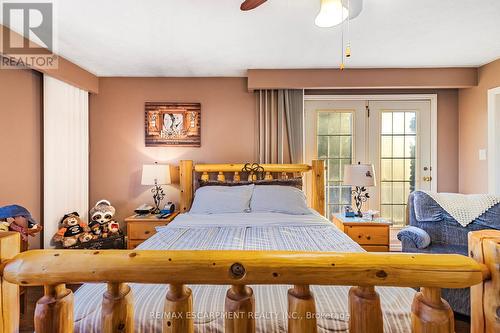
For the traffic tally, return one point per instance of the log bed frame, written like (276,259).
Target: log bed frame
(53,269)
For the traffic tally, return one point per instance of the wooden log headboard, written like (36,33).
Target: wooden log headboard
(189,173)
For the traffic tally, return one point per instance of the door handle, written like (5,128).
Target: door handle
(427,178)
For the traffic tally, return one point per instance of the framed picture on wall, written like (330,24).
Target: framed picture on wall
(173,124)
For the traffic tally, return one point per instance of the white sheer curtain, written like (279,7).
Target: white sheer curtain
(280,125)
(66,153)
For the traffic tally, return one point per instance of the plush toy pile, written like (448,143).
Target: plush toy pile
(102,225)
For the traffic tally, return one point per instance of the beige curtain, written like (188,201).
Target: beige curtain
(280,115)
(65,153)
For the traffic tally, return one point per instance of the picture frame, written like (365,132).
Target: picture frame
(170,124)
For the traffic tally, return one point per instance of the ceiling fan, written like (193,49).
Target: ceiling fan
(332,12)
(251,4)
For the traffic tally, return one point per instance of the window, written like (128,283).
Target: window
(335,146)
(398,163)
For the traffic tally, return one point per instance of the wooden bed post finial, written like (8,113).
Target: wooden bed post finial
(10,245)
(318,186)
(186,184)
(484,247)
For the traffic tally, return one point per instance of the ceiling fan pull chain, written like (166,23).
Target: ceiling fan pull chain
(348,48)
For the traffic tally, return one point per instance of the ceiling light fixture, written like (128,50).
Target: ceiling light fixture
(332,13)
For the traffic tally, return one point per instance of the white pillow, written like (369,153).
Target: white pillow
(279,199)
(222,199)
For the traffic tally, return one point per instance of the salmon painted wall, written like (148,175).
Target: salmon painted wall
(117,149)
(473,113)
(20,141)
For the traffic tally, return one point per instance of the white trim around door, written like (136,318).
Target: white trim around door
(398,97)
(493,139)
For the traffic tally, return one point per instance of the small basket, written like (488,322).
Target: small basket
(113,242)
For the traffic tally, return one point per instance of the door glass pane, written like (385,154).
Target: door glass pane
(397,162)
(334,138)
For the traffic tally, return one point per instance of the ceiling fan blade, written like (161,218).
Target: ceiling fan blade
(251,4)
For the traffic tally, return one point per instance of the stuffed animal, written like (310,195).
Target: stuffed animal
(4,226)
(72,227)
(103,214)
(85,237)
(113,228)
(96,230)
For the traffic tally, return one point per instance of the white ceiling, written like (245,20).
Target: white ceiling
(214,38)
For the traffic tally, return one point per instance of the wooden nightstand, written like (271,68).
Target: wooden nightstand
(373,236)
(141,227)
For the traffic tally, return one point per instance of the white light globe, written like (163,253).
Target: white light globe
(332,13)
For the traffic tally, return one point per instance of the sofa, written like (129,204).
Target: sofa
(432,230)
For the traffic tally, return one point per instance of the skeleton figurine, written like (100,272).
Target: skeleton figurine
(101,215)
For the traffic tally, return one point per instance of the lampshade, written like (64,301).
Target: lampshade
(331,13)
(359,175)
(155,174)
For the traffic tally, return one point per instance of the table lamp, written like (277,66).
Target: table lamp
(156,175)
(360,176)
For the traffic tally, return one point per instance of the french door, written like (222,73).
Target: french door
(394,136)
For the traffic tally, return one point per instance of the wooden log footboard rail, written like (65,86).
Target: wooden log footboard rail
(240,269)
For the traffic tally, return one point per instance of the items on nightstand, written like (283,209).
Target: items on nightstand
(156,175)
(361,176)
(144,209)
(373,236)
(348,212)
(169,208)
(141,227)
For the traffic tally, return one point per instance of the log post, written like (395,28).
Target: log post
(54,311)
(10,245)
(252,177)
(221,177)
(430,313)
(301,310)
(318,186)
(178,310)
(365,313)
(186,185)
(240,310)
(236,177)
(117,314)
(205,177)
(484,247)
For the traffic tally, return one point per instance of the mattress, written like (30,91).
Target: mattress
(246,231)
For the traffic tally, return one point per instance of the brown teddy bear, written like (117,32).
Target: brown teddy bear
(72,227)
